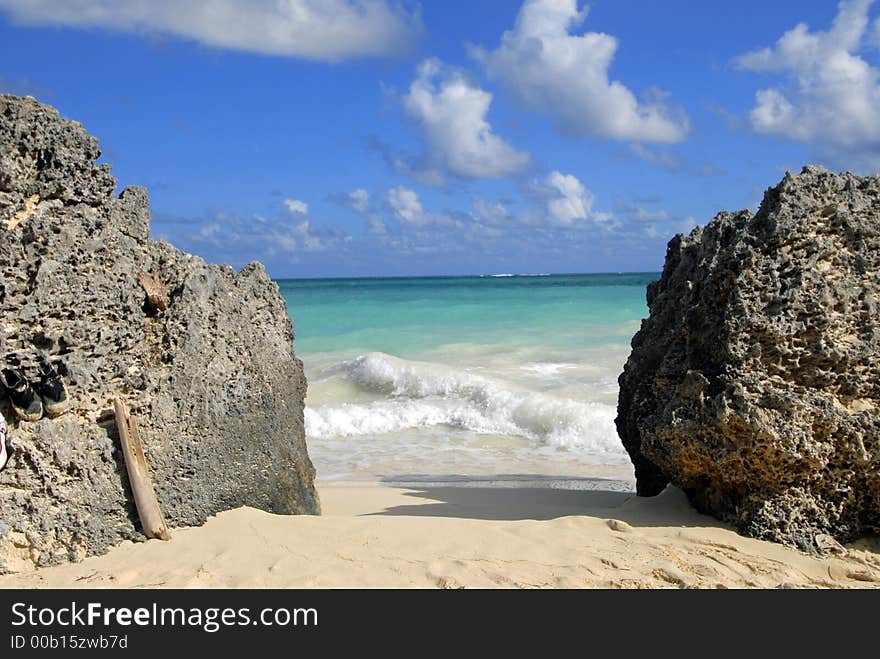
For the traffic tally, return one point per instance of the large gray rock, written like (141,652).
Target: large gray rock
(213,379)
(754,385)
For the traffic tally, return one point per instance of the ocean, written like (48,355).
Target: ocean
(439,378)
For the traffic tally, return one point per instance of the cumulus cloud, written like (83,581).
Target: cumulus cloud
(405,204)
(549,69)
(457,139)
(328,30)
(567,201)
(555,201)
(296,206)
(359,200)
(832,98)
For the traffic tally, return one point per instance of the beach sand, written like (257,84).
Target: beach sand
(440,536)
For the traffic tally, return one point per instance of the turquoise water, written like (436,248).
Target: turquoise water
(464,375)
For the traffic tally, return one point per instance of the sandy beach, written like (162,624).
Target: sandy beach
(465,535)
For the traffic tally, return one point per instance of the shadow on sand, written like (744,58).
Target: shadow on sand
(514,497)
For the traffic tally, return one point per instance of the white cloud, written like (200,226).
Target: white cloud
(488,212)
(261,236)
(328,30)
(553,211)
(296,206)
(376,226)
(458,139)
(567,201)
(833,96)
(555,202)
(406,205)
(359,200)
(550,70)
(571,201)
(311,242)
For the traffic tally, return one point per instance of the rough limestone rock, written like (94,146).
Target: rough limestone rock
(754,385)
(212,379)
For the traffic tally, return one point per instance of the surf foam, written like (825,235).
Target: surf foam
(416,394)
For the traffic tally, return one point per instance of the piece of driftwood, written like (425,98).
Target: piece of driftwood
(156,290)
(152,521)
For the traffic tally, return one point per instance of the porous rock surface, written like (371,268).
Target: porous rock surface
(212,380)
(754,385)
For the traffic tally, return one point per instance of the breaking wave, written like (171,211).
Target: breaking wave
(415,394)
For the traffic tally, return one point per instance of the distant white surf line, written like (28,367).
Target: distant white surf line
(423,395)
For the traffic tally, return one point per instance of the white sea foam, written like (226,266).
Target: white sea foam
(521,274)
(546,369)
(420,394)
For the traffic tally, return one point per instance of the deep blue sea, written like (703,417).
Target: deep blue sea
(471,376)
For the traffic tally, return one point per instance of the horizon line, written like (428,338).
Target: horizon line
(502,275)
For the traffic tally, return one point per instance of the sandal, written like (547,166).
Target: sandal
(25,402)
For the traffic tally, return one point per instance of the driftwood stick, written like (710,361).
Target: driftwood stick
(152,521)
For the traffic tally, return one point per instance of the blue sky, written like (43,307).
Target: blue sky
(376,137)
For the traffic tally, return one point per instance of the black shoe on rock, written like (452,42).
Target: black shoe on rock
(52,390)
(25,402)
